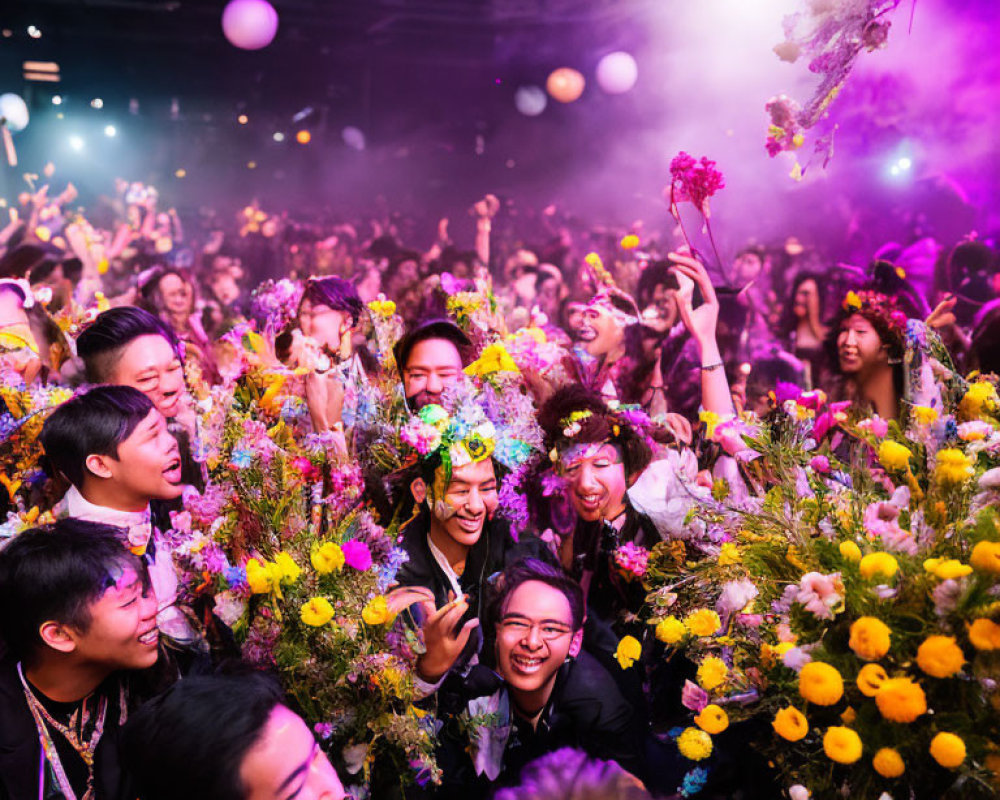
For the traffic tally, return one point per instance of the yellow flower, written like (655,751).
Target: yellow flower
(328,557)
(711,420)
(894,456)
(984,634)
(316,612)
(842,745)
(703,622)
(852,301)
(869,638)
(729,554)
(791,724)
(870,679)
(769,654)
(888,763)
(820,683)
(901,700)
(377,611)
(979,399)
(881,565)
(848,715)
(712,672)
(628,651)
(630,242)
(947,568)
(494,358)
(262,578)
(948,750)
(986,557)
(670,630)
(940,656)
(694,744)
(925,415)
(382,307)
(953,466)
(593,260)
(712,719)
(290,571)
(850,551)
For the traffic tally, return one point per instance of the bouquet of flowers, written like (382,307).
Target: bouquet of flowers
(856,604)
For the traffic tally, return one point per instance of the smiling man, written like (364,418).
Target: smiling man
(77,618)
(227,738)
(113,446)
(430,359)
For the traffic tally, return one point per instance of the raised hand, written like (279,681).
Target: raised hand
(443,639)
(701,322)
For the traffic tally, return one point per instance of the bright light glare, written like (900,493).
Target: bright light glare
(904,163)
(279,136)
(57,99)
(110,131)
(34,32)
(97,102)
(76,142)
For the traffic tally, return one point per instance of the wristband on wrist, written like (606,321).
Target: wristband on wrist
(710,367)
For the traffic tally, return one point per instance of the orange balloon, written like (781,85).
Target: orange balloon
(303,137)
(565,84)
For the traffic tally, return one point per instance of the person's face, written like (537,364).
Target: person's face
(470,499)
(225,288)
(534,637)
(599,331)
(574,319)
(178,298)
(407,272)
(666,300)
(748,267)
(859,346)
(148,466)
(324,324)
(122,633)
(149,364)
(286,763)
(433,365)
(369,288)
(597,480)
(805,303)
(547,299)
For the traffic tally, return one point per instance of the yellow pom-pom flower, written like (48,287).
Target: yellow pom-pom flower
(703,622)
(894,456)
(258,577)
(316,612)
(820,683)
(290,571)
(924,415)
(791,724)
(852,301)
(985,557)
(670,630)
(878,565)
(712,672)
(948,750)
(630,242)
(888,763)
(493,359)
(870,638)
(729,554)
(984,634)
(377,611)
(940,656)
(328,557)
(842,745)
(980,399)
(628,651)
(712,719)
(947,568)
(870,679)
(694,744)
(953,467)
(850,551)
(901,700)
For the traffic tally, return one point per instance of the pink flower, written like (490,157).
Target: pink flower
(632,559)
(820,464)
(820,594)
(875,425)
(796,658)
(693,696)
(735,595)
(357,555)
(694,181)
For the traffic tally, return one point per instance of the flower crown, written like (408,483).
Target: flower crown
(617,417)
(882,305)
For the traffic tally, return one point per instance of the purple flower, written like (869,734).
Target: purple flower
(357,555)
(693,696)
(820,464)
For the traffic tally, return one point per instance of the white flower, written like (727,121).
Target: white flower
(798,792)
(990,479)
(788,51)
(735,596)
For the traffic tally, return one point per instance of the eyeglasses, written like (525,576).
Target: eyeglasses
(522,628)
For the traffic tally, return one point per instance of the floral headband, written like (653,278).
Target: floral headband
(602,302)
(458,440)
(617,418)
(880,304)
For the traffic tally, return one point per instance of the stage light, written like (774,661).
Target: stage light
(243,119)
(904,163)
(530,100)
(97,103)
(110,131)
(180,173)
(303,137)
(251,165)
(249,24)
(617,72)
(76,142)
(57,100)
(565,84)
(278,136)
(34,32)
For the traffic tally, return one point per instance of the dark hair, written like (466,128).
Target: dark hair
(191,740)
(569,774)
(431,329)
(656,274)
(984,351)
(96,422)
(596,428)
(101,344)
(150,294)
(789,322)
(337,293)
(531,569)
(55,572)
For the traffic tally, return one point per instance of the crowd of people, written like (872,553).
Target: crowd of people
(488,446)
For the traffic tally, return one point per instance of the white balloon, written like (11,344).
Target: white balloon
(249,24)
(530,100)
(353,137)
(617,72)
(15,111)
